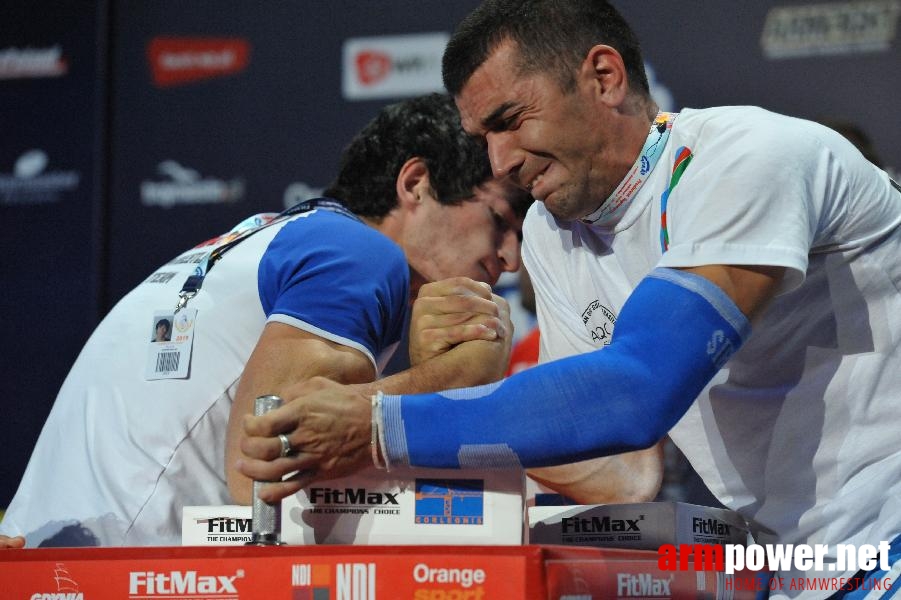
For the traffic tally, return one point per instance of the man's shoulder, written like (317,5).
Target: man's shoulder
(330,248)
(746,139)
(325,232)
(740,124)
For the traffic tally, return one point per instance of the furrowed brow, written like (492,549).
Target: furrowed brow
(492,121)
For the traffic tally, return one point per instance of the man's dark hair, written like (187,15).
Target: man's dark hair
(552,36)
(856,135)
(427,127)
(164,323)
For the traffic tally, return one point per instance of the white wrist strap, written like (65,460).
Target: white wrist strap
(377,441)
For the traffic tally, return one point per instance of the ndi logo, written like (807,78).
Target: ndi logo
(450,502)
(311,582)
(352,581)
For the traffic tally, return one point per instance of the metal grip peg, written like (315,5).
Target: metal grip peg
(267,519)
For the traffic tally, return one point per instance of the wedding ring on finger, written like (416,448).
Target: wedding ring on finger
(286,445)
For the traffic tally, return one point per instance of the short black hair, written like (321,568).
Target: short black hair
(552,36)
(427,127)
(854,134)
(164,322)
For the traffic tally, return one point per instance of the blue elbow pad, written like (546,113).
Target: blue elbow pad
(673,334)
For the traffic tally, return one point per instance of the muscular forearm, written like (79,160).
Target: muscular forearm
(283,358)
(629,477)
(331,424)
(606,402)
(468,364)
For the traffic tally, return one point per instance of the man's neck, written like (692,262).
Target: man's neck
(391,226)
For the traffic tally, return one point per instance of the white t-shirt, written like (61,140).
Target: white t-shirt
(119,456)
(799,432)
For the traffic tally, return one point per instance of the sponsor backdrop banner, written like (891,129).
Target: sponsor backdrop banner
(223,112)
(214,110)
(815,60)
(51,161)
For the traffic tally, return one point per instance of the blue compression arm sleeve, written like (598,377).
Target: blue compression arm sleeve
(673,334)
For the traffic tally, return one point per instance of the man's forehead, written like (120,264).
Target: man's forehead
(488,94)
(498,195)
(493,189)
(468,119)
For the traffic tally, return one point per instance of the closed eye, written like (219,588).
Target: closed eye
(497,122)
(503,225)
(510,123)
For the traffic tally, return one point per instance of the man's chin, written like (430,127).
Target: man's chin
(561,212)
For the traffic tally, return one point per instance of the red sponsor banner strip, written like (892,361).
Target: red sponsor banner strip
(249,573)
(176,60)
(343,572)
(612,573)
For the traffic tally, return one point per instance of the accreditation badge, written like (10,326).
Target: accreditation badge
(171,340)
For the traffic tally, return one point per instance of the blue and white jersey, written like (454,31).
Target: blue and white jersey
(121,454)
(342,281)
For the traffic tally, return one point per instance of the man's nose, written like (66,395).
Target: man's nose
(502,153)
(509,251)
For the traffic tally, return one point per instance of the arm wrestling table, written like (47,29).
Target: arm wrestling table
(353,573)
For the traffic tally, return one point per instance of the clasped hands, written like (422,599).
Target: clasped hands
(460,335)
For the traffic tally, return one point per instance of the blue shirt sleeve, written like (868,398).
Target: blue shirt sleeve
(334,276)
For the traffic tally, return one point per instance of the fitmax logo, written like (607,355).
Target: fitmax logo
(353,496)
(600,525)
(181,583)
(643,585)
(710,526)
(228,525)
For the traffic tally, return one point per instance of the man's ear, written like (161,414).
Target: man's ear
(412,182)
(605,70)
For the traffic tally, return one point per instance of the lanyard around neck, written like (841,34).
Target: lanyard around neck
(194,281)
(616,203)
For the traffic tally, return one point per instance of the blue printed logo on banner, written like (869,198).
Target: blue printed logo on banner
(450,501)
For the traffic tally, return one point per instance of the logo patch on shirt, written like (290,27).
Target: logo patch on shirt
(719,348)
(599,321)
